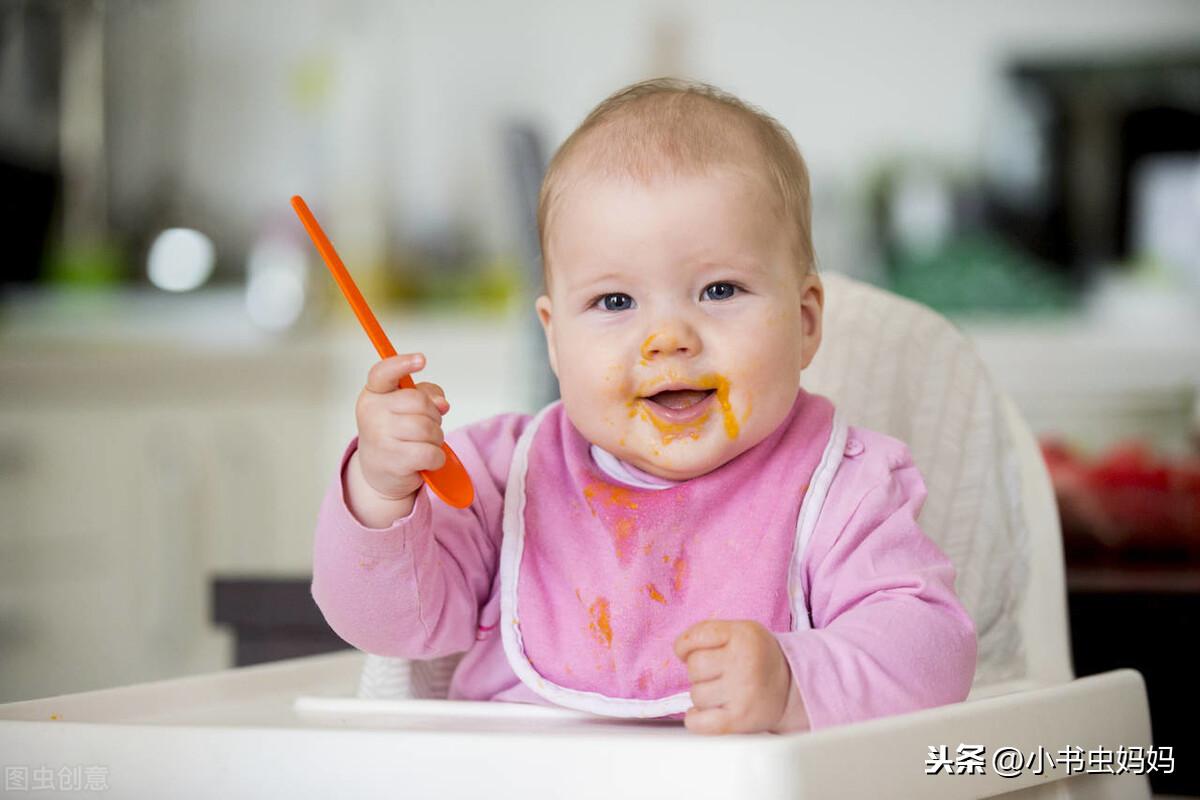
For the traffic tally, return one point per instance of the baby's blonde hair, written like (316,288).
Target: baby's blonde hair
(668,126)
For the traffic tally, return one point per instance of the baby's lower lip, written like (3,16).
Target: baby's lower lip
(680,415)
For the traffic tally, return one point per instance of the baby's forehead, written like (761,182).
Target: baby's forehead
(662,228)
(591,193)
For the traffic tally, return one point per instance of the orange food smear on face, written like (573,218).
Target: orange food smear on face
(731,425)
(645,350)
(671,431)
(655,595)
(599,623)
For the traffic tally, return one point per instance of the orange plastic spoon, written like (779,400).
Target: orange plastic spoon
(451,482)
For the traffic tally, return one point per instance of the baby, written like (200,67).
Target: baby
(688,531)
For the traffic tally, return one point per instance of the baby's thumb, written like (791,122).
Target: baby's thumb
(385,375)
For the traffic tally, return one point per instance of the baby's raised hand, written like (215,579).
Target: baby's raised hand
(740,677)
(399,430)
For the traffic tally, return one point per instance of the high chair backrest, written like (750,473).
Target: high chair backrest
(898,367)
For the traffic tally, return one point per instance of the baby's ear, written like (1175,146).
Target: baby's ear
(544,309)
(812,307)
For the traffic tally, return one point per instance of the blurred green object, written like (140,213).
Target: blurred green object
(978,272)
(481,285)
(92,266)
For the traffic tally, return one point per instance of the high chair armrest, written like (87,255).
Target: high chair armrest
(1107,711)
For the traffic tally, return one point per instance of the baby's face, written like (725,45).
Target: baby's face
(677,320)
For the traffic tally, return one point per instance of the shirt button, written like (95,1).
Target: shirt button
(853,447)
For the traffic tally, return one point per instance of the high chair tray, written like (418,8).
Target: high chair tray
(293,729)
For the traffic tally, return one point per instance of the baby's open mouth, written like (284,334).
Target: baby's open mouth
(680,398)
(683,406)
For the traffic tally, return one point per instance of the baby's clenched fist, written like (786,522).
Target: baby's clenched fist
(399,430)
(739,675)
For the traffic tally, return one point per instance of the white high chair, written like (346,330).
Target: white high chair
(891,365)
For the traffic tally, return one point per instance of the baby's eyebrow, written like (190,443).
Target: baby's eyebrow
(592,282)
(750,266)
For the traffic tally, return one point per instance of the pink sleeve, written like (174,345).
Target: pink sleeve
(413,590)
(889,634)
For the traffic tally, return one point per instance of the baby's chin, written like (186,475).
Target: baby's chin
(676,461)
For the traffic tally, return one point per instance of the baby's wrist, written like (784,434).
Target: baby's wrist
(794,717)
(369,507)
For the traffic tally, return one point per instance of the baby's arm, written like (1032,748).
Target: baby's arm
(414,588)
(889,633)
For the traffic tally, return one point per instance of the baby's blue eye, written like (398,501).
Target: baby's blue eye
(616,302)
(720,291)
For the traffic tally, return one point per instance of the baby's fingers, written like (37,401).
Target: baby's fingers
(705,665)
(436,394)
(408,458)
(709,694)
(708,721)
(415,428)
(385,375)
(707,634)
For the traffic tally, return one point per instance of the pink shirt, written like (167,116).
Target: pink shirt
(889,635)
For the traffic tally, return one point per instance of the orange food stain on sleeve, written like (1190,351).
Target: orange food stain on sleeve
(599,623)
(655,595)
(643,680)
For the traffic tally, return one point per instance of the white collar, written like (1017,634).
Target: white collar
(617,469)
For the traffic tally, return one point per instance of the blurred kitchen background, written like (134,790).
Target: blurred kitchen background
(178,373)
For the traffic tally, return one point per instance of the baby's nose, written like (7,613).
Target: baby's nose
(658,344)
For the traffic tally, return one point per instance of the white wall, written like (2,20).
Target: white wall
(410,133)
